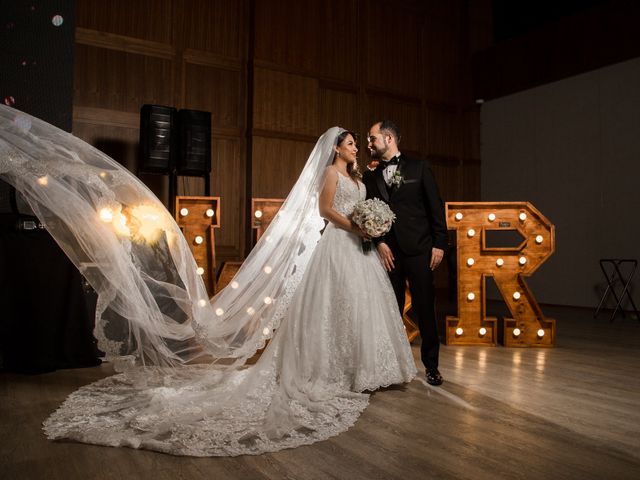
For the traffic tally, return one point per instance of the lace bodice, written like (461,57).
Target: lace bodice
(347,195)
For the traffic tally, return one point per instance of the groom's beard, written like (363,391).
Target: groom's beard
(378,153)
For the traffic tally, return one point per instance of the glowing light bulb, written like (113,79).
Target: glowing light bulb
(459,331)
(202,302)
(200,271)
(492,217)
(516,332)
(199,239)
(184,212)
(471,232)
(267,269)
(267,239)
(522,216)
(499,262)
(471,296)
(265,331)
(522,260)
(106,215)
(251,310)
(541,333)
(267,300)
(539,239)
(470,261)
(234,284)
(258,213)
(516,295)
(219,312)
(482,331)
(44,180)
(103,174)
(459,216)
(210,212)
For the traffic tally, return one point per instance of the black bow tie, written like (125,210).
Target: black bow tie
(393,161)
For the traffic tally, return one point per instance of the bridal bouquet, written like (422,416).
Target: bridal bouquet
(373,216)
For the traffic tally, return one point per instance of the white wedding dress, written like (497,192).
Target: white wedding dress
(342,335)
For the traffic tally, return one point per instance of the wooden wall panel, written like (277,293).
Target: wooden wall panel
(120,81)
(338,108)
(146,19)
(227,182)
(285,103)
(444,135)
(318,37)
(214,26)
(447,175)
(393,48)
(442,52)
(471,180)
(277,163)
(217,91)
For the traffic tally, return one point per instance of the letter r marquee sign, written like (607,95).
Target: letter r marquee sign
(508,266)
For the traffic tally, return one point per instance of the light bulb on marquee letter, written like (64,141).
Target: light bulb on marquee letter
(459,216)
(470,261)
(459,331)
(492,217)
(522,260)
(516,332)
(268,300)
(539,239)
(219,312)
(258,214)
(471,232)
(516,295)
(541,333)
(234,284)
(199,239)
(210,212)
(200,271)
(471,296)
(251,310)
(202,302)
(482,331)
(499,262)
(184,212)
(522,216)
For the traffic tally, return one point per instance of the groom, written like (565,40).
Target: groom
(415,245)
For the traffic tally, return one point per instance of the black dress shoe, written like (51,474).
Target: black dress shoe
(434,378)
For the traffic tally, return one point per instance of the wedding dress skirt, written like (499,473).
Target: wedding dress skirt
(342,335)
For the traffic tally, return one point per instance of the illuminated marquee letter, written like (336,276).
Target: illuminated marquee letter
(508,267)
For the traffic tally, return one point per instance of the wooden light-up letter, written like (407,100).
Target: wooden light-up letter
(477,261)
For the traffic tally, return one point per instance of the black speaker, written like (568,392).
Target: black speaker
(158,139)
(195,142)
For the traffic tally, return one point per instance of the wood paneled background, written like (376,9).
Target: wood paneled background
(276,74)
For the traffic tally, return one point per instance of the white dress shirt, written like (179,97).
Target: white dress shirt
(388,171)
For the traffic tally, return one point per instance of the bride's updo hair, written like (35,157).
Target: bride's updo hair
(352,168)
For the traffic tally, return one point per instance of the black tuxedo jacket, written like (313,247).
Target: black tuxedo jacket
(420,221)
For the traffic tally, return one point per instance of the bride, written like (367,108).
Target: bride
(326,306)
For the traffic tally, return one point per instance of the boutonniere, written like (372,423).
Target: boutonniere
(397,179)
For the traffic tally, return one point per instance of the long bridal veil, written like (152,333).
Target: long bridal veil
(152,307)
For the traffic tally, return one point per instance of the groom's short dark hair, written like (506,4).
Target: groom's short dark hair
(387,126)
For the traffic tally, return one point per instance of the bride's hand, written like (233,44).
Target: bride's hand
(358,231)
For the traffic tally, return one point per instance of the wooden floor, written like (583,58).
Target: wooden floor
(569,412)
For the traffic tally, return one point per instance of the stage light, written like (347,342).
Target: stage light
(184,212)
(499,262)
(268,300)
(459,216)
(459,331)
(234,284)
(219,312)
(44,181)
(539,239)
(199,239)
(471,232)
(516,332)
(470,261)
(267,269)
(210,212)
(200,271)
(482,331)
(522,260)
(266,331)
(202,302)
(471,296)
(492,217)
(251,310)
(522,216)
(541,333)
(258,213)
(516,295)
(106,215)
